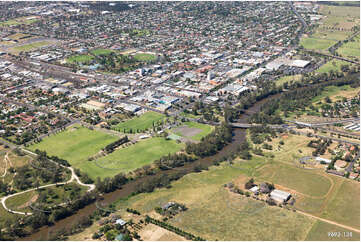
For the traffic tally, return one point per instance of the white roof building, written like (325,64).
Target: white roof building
(280,196)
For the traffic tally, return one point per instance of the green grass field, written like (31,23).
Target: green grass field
(350,49)
(83,59)
(144,57)
(128,159)
(334,65)
(320,232)
(316,43)
(75,145)
(101,52)
(140,123)
(21,202)
(284,79)
(205,130)
(340,19)
(344,206)
(18,21)
(32,46)
(303,181)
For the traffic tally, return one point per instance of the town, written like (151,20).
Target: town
(117,116)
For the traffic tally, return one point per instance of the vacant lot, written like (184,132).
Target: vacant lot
(75,145)
(193,130)
(30,47)
(127,159)
(141,123)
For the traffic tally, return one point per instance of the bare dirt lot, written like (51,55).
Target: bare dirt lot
(152,232)
(187,131)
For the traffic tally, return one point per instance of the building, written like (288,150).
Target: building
(280,196)
(300,63)
(254,189)
(121,222)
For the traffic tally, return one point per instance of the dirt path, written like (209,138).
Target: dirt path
(6,161)
(73,177)
(329,221)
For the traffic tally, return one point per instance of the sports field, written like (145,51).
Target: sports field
(32,46)
(75,145)
(128,159)
(144,57)
(18,21)
(193,130)
(101,52)
(83,59)
(140,123)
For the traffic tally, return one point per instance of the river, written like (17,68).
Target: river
(239,135)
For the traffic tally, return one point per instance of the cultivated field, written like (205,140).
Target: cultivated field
(128,159)
(140,123)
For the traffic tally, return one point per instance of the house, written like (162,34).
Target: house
(280,196)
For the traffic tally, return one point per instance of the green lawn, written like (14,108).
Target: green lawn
(284,79)
(144,57)
(101,52)
(75,145)
(84,59)
(320,232)
(32,46)
(140,123)
(334,65)
(316,43)
(350,49)
(127,159)
(205,130)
